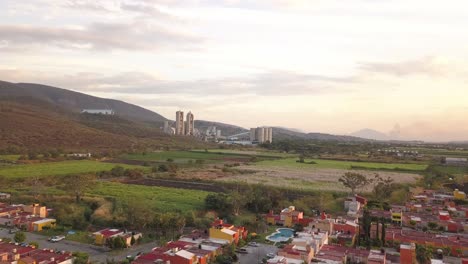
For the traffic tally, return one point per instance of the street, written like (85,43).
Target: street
(96,253)
(256,254)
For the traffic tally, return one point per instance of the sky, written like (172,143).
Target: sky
(330,66)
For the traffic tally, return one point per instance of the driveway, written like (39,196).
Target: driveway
(96,253)
(256,254)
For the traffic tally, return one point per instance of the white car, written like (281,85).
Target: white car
(253,244)
(270,255)
(57,238)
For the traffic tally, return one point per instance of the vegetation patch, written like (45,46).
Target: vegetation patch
(58,168)
(158,198)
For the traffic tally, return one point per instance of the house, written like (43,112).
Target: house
(166,255)
(4,196)
(101,237)
(16,254)
(376,257)
(408,253)
(296,252)
(226,232)
(36,209)
(288,217)
(459,195)
(43,223)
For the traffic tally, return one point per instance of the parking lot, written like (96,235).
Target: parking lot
(256,254)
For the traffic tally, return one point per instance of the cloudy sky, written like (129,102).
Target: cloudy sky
(330,66)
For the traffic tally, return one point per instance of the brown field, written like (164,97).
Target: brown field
(315,179)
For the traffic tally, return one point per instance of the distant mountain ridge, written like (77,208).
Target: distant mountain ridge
(283,133)
(370,134)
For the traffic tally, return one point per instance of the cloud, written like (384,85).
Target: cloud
(422,66)
(272,83)
(135,36)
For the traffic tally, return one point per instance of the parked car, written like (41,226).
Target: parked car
(253,244)
(55,239)
(270,255)
(242,250)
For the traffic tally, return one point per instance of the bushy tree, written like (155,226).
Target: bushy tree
(19,237)
(78,184)
(353,181)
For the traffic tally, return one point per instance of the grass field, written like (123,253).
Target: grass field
(334,164)
(452,170)
(252,153)
(58,168)
(184,156)
(10,157)
(160,198)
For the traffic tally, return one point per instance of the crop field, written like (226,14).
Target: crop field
(58,168)
(321,175)
(318,179)
(252,153)
(159,198)
(335,164)
(186,156)
(9,157)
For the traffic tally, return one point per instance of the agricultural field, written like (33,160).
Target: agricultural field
(335,164)
(159,198)
(58,168)
(187,156)
(253,153)
(319,174)
(9,157)
(314,179)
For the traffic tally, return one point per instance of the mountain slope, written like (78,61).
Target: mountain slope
(75,101)
(28,123)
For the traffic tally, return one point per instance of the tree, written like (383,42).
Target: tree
(139,216)
(353,181)
(78,184)
(34,243)
(432,225)
(219,202)
(20,237)
(238,201)
(80,258)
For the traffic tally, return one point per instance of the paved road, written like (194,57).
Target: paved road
(256,254)
(97,254)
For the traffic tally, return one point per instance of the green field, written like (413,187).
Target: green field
(58,168)
(10,157)
(184,156)
(251,153)
(160,198)
(345,165)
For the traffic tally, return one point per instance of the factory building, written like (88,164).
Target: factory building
(261,134)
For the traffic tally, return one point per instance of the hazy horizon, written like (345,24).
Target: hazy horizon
(394,66)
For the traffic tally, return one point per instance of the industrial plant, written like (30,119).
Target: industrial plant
(181,128)
(261,135)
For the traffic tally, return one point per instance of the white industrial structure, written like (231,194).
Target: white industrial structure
(98,111)
(261,134)
(189,124)
(179,125)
